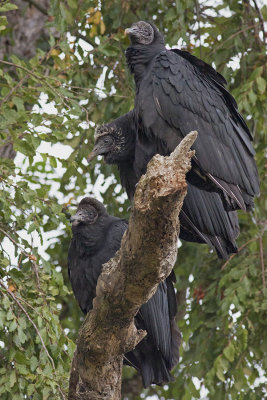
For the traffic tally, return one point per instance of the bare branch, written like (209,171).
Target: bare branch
(85,38)
(247,28)
(262,263)
(15,243)
(261,19)
(147,256)
(233,255)
(38,6)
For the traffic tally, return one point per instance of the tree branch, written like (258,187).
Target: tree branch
(9,292)
(262,263)
(85,38)
(147,255)
(238,251)
(38,6)
(261,20)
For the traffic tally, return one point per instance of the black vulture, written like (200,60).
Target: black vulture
(96,238)
(175,94)
(203,218)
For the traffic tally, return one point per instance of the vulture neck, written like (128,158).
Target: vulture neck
(88,239)
(139,56)
(84,244)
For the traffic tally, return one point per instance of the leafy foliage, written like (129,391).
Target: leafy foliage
(50,105)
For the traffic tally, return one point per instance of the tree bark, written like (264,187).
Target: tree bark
(26,28)
(146,257)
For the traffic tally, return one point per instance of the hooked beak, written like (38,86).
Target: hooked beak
(130,31)
(97,150)
(91,156)
(76,218)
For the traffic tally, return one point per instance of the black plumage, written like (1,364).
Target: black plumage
(96,238)
(203,217)
(175,94)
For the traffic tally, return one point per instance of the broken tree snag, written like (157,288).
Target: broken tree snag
(146,257)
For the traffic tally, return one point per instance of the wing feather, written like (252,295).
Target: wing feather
(157,315)
(190,96)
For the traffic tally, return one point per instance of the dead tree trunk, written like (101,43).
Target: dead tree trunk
(26,28)
(147,255)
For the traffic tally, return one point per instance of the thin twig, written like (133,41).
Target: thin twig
(63,98)
(87,40)
(61,392)
(40,78)
(261,19)
(15,243)
(199,28)
(35,327)
(31,257)
(232,36)
(32,322)
(19,84)
(233,255)
(262,263)
(35,268)
(14,89)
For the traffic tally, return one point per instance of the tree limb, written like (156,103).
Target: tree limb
(36,5)
(147,255)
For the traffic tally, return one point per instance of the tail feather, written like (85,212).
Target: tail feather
(175,343)
(150,363)
(158,352)
(205,220)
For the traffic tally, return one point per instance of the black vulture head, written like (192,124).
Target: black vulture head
(88,213)
(143,33)
(110,143)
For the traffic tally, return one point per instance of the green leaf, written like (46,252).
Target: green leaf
(2,318)
(24,147)
(108,50)
(10,315)
(66,14)
(53,162)
(8,7)
(33,227)
(30,389)
(264,12)
(12,378)
(3,22)
(221,366)
(229,352)
(33,363)
(252,97)
(72,4)
(21,335)
(261,83)
(12,326)
(220,375)
(20,357)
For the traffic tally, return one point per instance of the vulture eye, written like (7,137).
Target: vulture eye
(92,216)
(106,140)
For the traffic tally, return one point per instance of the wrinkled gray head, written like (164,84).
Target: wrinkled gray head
(88,212)
(110,143)
(141,32)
